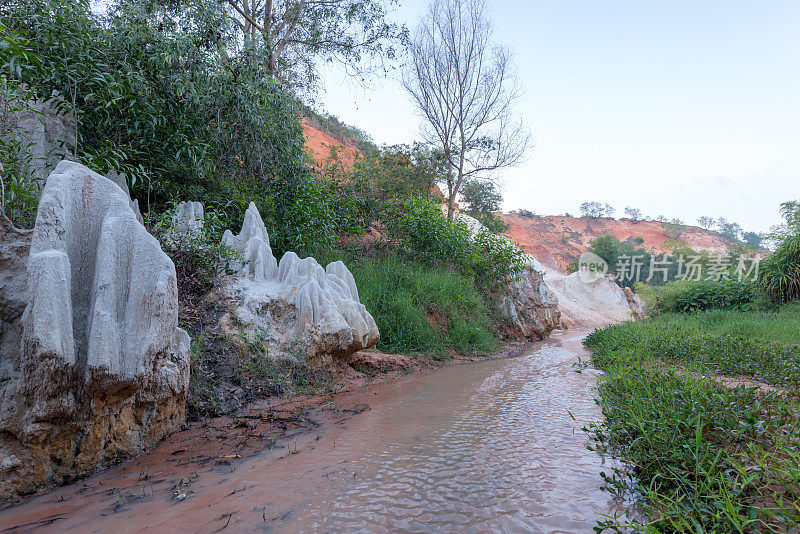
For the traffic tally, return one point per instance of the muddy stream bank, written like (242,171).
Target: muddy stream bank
(488,446)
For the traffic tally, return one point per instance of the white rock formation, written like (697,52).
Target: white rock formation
(100,370)
(589,304)
(302,310)
(254,255)
(545,297)
(188,219)
(123,184)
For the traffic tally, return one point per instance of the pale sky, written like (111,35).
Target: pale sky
(680,108)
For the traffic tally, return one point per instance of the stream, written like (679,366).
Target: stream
(486,446)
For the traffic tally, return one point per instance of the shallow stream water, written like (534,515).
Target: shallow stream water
(493,446)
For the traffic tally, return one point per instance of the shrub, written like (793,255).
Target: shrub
(20,190)
(779,274)
(685,296)
(482,199)
(199,254)
(158,103)
(528,214)
(420,229)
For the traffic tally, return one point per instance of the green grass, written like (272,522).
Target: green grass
(763,345)
(704,457)
(422,309)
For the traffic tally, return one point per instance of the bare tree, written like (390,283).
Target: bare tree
(464,86)
(633,213)
(591,209)
(706,222)
(295,33)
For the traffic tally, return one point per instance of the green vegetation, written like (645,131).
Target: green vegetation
(419,230)
(424,309)
(632,263)
(685,296)
(780,272)
(596,209)
(706,456)
(482,200)
(20,191)
(635,214)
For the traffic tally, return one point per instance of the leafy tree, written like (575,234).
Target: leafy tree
(168,96)
(464,87)
(482,199)
(609,210)
(790,211)
(729,230)
(633,213)
(293,35)
(752,239)
(791,214)
(608,248)
(706,222)
(592,209)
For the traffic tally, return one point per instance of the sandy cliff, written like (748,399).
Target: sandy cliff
(555,240)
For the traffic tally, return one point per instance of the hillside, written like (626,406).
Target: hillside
(320,142)
(555,240)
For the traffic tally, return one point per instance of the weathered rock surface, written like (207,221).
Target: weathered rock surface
(46,133)
(528,303)
(589,304)
(366,361)
(188,219)
(255,259)
(531,306)
(123,184)
(298,309)
(95,368)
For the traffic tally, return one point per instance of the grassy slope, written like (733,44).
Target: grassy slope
(423,309)
(708,458)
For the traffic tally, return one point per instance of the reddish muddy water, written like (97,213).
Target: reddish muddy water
(488,446)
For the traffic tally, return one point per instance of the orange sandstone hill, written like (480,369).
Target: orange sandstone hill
(319,144)
(555,240)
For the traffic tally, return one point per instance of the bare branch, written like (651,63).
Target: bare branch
(465,88)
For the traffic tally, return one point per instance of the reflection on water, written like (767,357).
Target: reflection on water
(489,446)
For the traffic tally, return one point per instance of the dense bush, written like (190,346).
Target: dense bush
(780,273)
(167,96)
(20,190)
(198,253)
(685,296)
(419,228)
(481,199)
